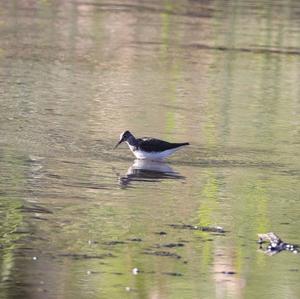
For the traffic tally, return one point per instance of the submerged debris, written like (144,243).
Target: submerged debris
(275,244)
(161,233)
(228,272)
(172,273)
(169,245)
(162,253)
(135,271)
(117,273)
(90,242)
(35,209)
(78,256)
(21,230)
(212,229)
(135,240)
(113,243)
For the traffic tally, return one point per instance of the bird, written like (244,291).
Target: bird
(149,148)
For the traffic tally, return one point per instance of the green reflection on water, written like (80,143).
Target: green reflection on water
(13,228)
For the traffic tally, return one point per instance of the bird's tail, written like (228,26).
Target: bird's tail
(182,144)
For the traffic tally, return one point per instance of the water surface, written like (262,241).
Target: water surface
(77,217)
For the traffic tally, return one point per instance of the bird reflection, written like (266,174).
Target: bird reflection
(148,171)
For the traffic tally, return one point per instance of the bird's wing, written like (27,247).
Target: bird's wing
(156,145)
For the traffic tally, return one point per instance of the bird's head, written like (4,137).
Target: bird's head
(123,137)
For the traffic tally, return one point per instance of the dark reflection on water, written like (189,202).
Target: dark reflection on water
(148,171)
(199,46)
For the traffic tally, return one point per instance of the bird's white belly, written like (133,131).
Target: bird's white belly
(152,155)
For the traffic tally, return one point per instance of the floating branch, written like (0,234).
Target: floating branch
(275,244)
(212,229)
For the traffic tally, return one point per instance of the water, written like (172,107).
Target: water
(77,217)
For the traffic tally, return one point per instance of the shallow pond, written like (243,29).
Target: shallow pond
(81,220)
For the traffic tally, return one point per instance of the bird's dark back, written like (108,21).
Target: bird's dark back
(149,144)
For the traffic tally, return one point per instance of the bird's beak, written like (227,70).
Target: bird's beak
(118,144)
